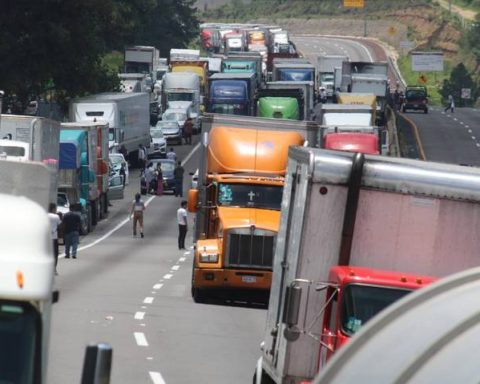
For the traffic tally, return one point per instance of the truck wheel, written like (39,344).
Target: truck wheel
(101,208)
(404,109)
(264,380)
(94,214)
(105,205)
(89,219)
(199,295)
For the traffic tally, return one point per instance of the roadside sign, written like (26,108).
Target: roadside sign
(427,61)
(423,79)
(354,3)
(466,93)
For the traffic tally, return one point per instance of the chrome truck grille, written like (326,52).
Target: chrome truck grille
(250,248)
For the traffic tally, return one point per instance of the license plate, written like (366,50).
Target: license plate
(249,279)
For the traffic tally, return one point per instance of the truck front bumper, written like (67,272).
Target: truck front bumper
(231,279)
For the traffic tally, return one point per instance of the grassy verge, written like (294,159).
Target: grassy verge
(468,4)
(434,79)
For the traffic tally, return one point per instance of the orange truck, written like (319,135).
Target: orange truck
(237,201)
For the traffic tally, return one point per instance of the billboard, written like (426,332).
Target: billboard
(427,61)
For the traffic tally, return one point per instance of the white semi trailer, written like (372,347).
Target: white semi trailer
(127,114)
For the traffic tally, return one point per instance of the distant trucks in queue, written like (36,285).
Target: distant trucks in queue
(237,201)
(141,59)
(127,115)
(326,65)
(369,233)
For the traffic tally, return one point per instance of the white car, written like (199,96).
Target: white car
(158,145)
(171,129)
(117,160)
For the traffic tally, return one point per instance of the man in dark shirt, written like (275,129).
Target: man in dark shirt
(71,226)
(178,176)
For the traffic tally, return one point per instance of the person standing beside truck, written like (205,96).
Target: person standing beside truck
(178,176)
(138,207)
(182,224)
(55,222)
(188,130)
(142,157)
(71,228)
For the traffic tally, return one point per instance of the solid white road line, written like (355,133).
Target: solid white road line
(185,161)
(168,276)
(157,286)
(140,339)
(156,378)
(139,315)
(148,300)
(108,234)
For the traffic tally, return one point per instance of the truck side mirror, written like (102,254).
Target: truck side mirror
(55,296)
(192,200)
(97,364)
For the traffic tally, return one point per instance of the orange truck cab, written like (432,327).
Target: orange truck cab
(237,205)
(354,295)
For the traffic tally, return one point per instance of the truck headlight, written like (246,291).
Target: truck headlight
(209,257)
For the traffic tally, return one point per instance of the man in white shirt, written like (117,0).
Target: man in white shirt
(142,157)
(182,224)
(55,221)
(172,155)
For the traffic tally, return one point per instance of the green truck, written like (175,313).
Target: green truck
(278,108)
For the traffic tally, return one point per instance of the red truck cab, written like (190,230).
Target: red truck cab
(353,142)
(354,296)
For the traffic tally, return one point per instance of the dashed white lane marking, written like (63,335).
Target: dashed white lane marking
(156,378)
(168,276)
(186,253)
(157,286)
(461,122)
(469,131)
(175,267)
(467,126)
(182,259)
(148,300)
(140,339)
(478,144)
(149,358)
(139,315)
(455,119)
(473,137)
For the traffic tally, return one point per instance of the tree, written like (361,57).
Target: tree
(59,45)
(169,24)
(459,78)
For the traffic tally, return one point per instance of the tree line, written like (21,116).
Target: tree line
(56,47)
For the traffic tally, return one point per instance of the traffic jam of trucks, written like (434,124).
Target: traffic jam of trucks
(297,198)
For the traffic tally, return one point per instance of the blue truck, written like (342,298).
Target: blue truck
(232,93)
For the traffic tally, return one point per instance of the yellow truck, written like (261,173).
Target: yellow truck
(237,201)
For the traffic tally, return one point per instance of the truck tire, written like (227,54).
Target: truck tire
(89,219)
(101,208)
(198,295)
(94,214)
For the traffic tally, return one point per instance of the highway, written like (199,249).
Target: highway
(444,137)
(134,294)
(449,137)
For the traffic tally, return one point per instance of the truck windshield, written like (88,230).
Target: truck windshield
(326,77)
(183,96)
(19,343)
(362,302)
(229,109)
(295,75)
(12,151)
(111,134)
(250,195)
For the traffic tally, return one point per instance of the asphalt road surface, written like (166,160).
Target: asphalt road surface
(449,137)
(134,294)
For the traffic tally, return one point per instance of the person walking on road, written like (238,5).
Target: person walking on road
(188,130)
(450,104)
(138,207)
(71,229)
(159,180)
(178,176)
(182,224)
(171,155)
(142,157)
(55,222)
